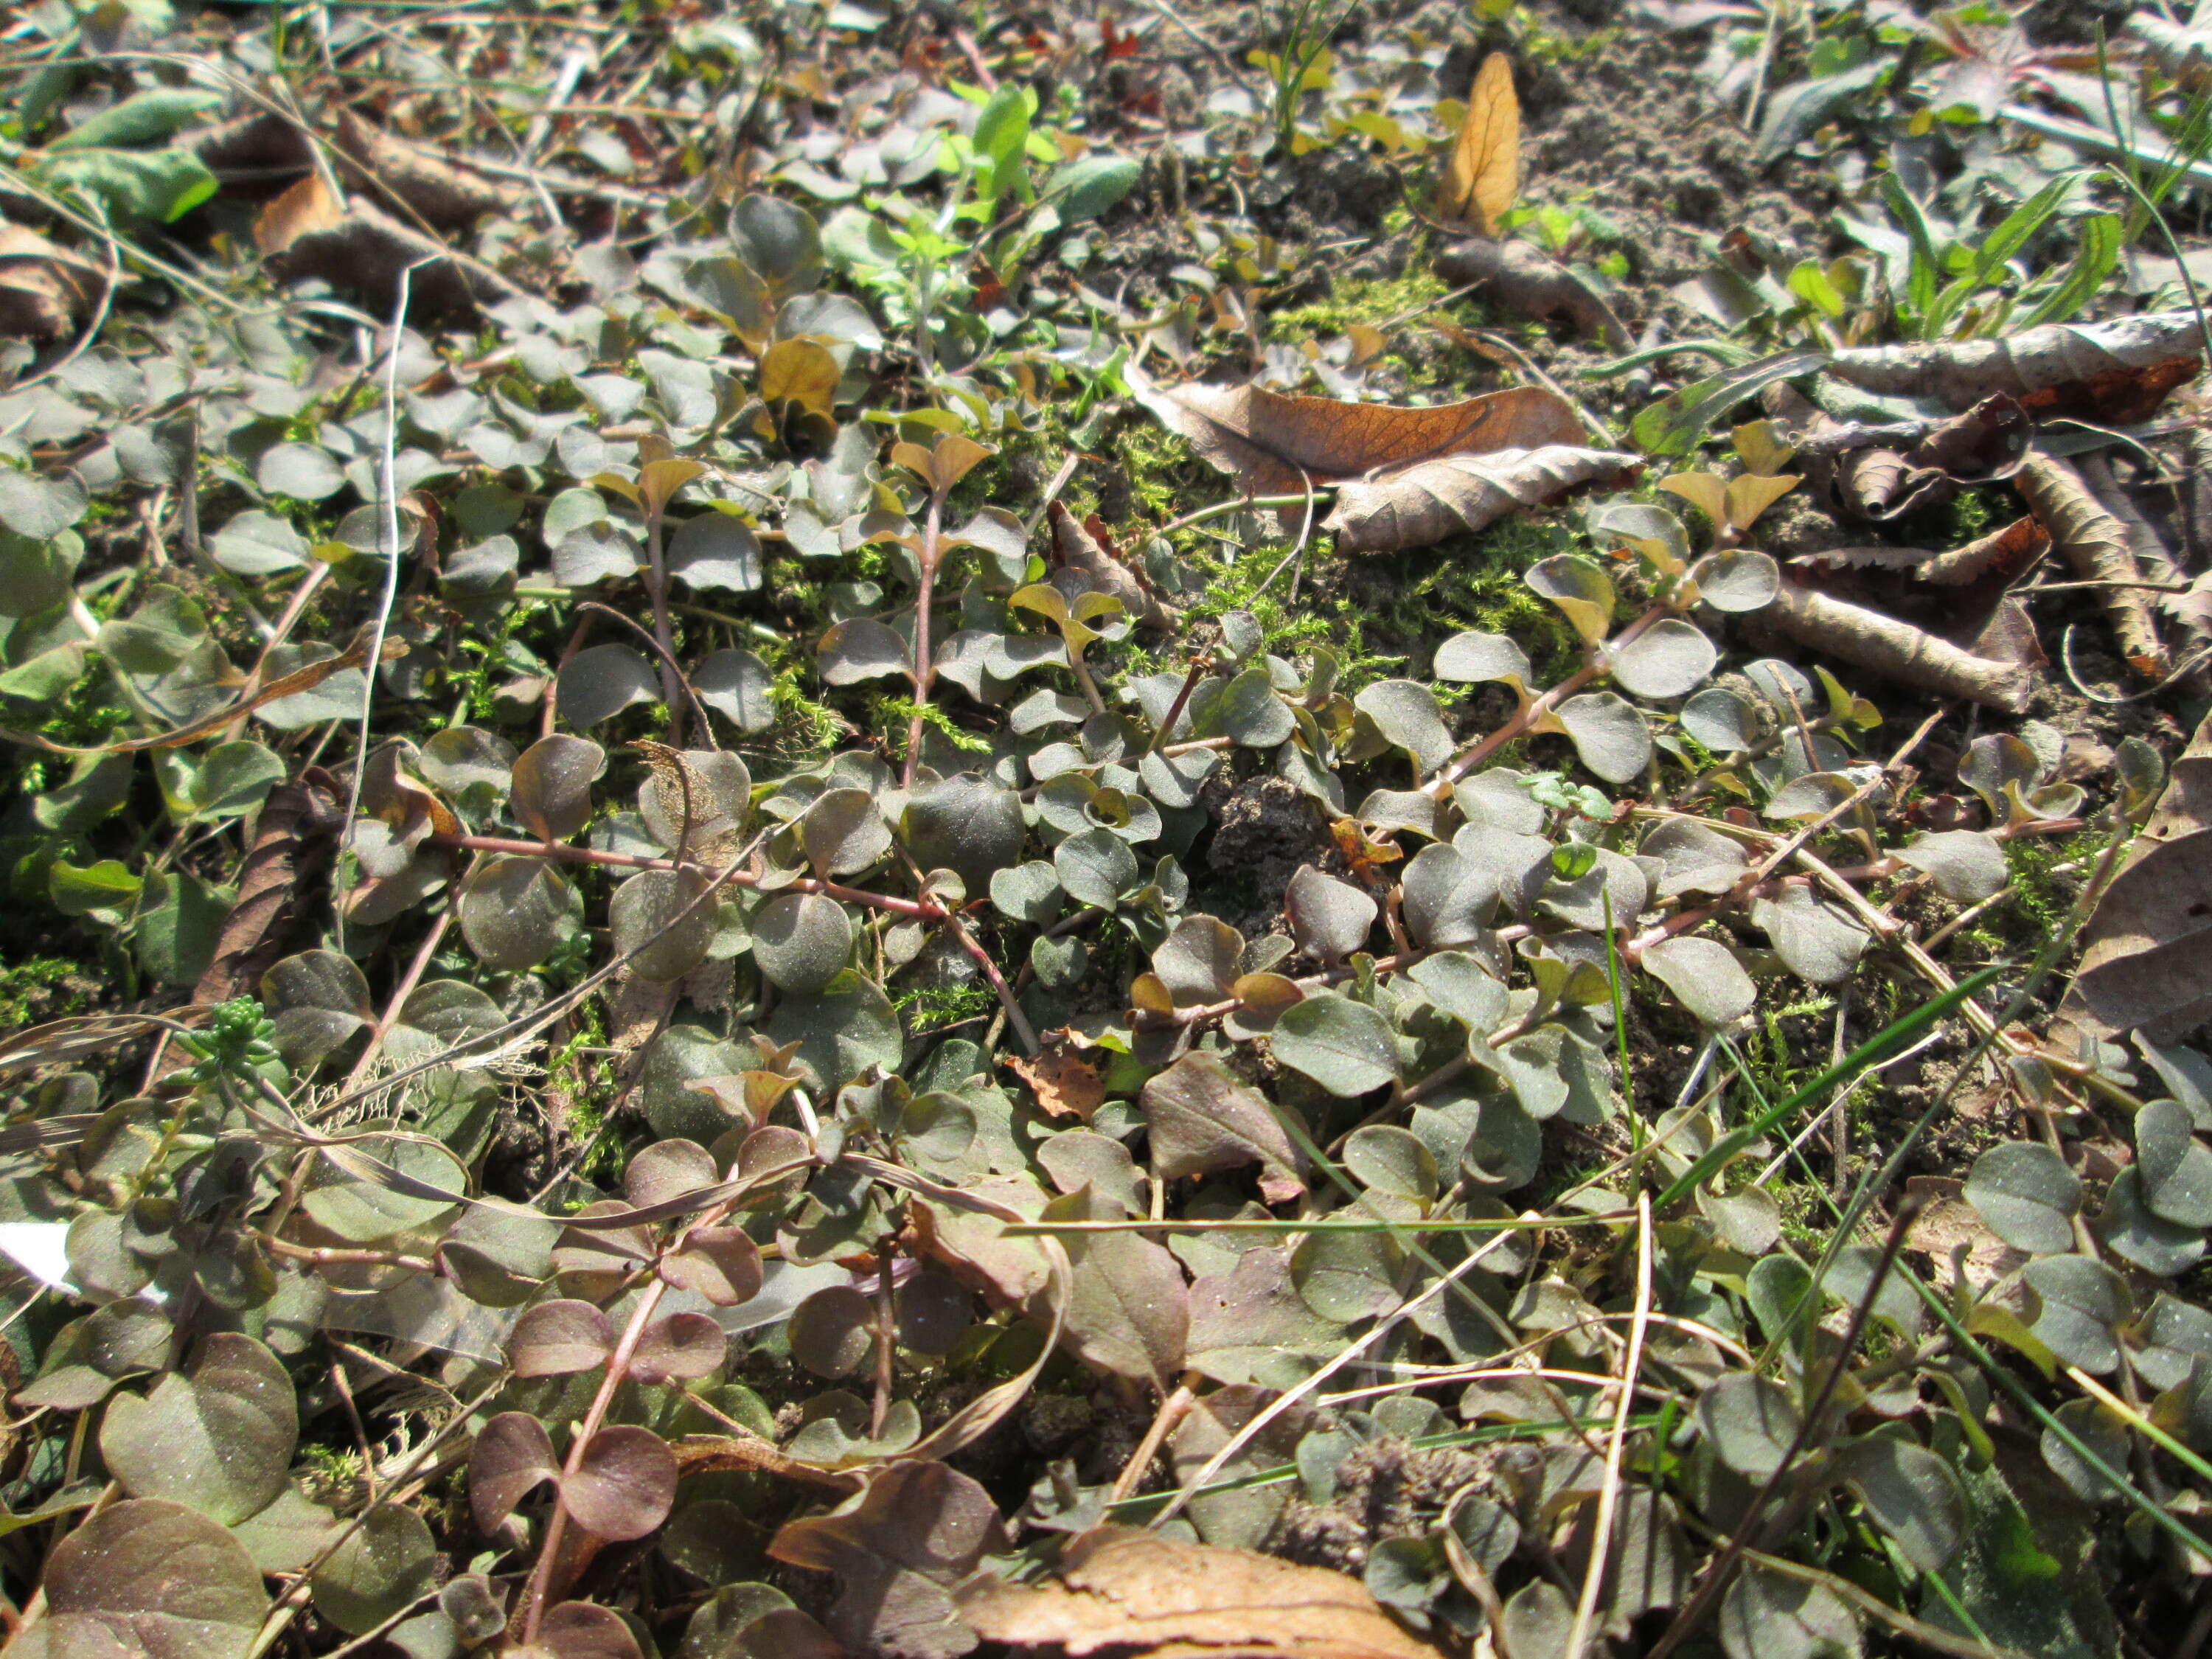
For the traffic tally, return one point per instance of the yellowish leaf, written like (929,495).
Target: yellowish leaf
(1484,174)
(1751,495)
(1703,491)
(1761,448)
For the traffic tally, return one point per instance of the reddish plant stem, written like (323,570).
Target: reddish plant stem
(933,552)
(400,992)
(1525,718)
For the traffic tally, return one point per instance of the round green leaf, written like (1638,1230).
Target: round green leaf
(1344,1046)
(1705,975)
(800,940)
(388,1562)
(2027,1196)
(1670,658)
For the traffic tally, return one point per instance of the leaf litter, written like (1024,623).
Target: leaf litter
(896,1054)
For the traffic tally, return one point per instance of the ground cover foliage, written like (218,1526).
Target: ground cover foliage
(857,831)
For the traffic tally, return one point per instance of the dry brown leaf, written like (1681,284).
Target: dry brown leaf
(1086,548)
(2039,360)
(1066,1085)
(1523,277)
(311,230)
(282,878)
(1123,1588)
(1909,655)
(1948,1222)
(45,291)
(2096,545)
(1425,503)
(1402,470)
(1484,173)
(2147,951)
(447,195)
(2002,553)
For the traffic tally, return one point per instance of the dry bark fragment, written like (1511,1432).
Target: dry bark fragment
(2096,545)
(1962,373)
(1909,655)
(446,195)
(1421,504)
(311,231)
(1522,276)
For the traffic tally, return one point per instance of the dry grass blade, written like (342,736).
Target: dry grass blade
(2096,545)
(1126,1588)
(1911,656)
(1484,173)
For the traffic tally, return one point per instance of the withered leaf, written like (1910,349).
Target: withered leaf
(1065,1084)
(1962,373)
(285,870)
(2147,951)
(418,179)
(1523,278)
(312,231)
(1424,503)
(1484,173)
(2096,545)
(1122,1587)
(45,291)
(1274,444)
(2001,554)
(1085,549)
(1911,656)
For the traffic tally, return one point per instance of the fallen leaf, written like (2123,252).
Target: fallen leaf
(1065,1084)
(2038,360)
(2147,950)
(1404,470)
(1484,173)
(2001,554)
(1910,655)
(1123,1588)
(1523,277)
(1202,1119)
(2096,545)
(45,291)
(1274,444)
(311,230)
(283,877)
(1086,548)
(445,195)
(1426,502)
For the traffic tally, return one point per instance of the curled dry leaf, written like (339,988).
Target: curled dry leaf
(45,291)
(2001,556)
(311,230)
(1124,1589)
(1425,503)
(1484,173)
(2096,545)
(2037,360)
(447,196)
(1085,548)
(2147,951)
(1910,655)
(1525,278)
(285,872)
(1066,1085)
